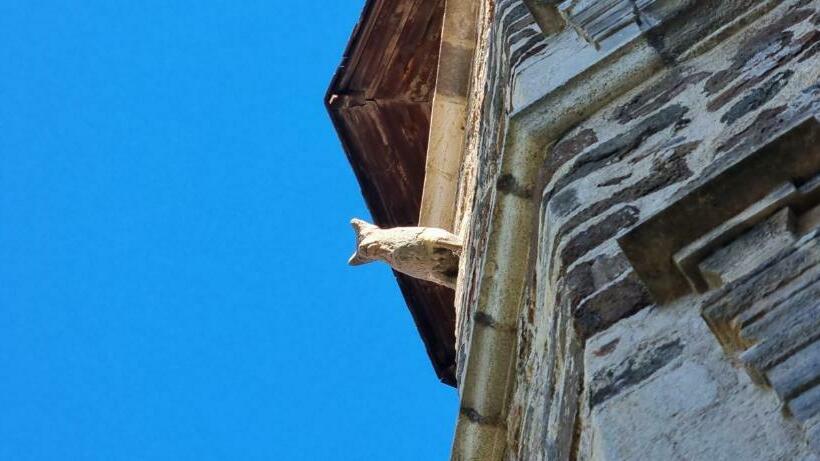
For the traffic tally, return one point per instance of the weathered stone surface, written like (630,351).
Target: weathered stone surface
(793,155)
(547,15)
(614,301)
(691,260)
(749,250)
(798,372)
(671,391)
(771,303)
(694,406)
(770,317)
(613,150)
(599,233)
(760,53)
(606,268)
(768,122)
(509,36)
(658,95)
(757,97)
(786,270)
(779,50)
(796,323)
(567,150)
(638,367)
(764,124)
(813,433)
(807,405)
(666,171)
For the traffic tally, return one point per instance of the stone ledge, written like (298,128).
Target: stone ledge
(793,155)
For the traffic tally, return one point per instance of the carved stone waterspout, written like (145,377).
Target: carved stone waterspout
(422,252)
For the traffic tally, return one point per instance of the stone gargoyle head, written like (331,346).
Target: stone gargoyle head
(422,252)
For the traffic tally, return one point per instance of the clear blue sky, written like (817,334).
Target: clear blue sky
(174,210)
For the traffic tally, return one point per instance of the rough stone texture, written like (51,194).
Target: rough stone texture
(672,395)
(601,372)
(704,263)
(738,190)
(770,320)
(750,250)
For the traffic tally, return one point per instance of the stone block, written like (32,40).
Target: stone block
(797,372)
(807,405)
(750,250)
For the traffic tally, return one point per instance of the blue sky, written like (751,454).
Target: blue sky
(174,210)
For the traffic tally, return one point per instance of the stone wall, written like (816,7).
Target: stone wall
(602,371)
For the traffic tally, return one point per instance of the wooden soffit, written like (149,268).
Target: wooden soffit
(380,101)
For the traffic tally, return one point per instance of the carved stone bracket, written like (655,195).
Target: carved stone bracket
(748,236)
(745,189)
(769,320)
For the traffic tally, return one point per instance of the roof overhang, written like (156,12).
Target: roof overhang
(380,102)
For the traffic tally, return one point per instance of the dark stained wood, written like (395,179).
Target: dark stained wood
(380,101)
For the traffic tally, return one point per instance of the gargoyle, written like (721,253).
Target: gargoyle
(422,252)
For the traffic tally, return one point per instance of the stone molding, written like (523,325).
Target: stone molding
(666,248)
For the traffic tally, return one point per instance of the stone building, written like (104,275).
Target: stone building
(636,185)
